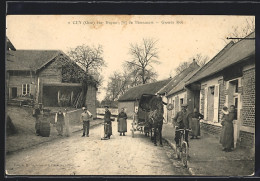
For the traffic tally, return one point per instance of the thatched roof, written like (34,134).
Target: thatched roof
(30,60)
(135,93)
(178,78)
(228,56)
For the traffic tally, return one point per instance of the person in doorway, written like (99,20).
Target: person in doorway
(36,113)
(60,122)
(85,118)
(194,119)
(181,121)
(108,123)
(227,133)
(122,123)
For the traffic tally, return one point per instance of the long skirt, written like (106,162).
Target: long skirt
(227,135)
(122,125)
(108,129)
(195,126)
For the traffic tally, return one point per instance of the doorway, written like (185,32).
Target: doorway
(13,92)
(210,101)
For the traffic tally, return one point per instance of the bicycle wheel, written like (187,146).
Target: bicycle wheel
(184,155)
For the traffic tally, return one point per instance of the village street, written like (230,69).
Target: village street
(121,155)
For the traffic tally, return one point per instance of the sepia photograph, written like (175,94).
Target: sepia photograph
(154,95)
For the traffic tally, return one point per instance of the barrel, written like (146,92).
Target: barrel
(45,127)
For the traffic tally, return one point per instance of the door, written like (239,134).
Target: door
(14,92)
(210,101)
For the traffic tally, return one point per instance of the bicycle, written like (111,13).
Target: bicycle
(182,149)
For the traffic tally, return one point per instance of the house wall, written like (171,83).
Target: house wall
(18,81)
(245,95)
(175,100)
(129,107)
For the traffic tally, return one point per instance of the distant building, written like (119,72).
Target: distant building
(38,73)
(130,100)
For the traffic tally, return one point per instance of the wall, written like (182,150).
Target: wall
(17,81)
(91,100)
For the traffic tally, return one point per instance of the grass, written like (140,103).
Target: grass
(24,123)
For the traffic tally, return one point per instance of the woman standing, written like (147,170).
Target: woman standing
(122,124)
(227,135)
(195,118)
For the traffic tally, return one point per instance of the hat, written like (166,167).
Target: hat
(84,108)
(184,105)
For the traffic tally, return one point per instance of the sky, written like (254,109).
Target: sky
(180,37)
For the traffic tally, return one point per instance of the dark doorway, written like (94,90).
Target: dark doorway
(14,92)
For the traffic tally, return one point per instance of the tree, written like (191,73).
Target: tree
(241,31)
(91,60)
(143,57)
(118,84)
(198,58)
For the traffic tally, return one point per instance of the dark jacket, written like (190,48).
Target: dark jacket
(181,120)
(107,116)
(122,115)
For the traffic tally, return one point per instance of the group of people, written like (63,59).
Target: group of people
(191,121)
(86,116)
(185,120)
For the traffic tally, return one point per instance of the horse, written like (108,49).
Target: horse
(155,118)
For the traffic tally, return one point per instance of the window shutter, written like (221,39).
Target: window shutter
(216,103)
(206,103)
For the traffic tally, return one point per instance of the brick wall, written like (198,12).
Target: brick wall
(222,96)
(248,98)
(246,139)
(210,128)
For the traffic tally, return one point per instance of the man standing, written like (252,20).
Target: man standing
(60,122)
(107,121)
(36,113)
(85,118)
(181,121)
(122,124)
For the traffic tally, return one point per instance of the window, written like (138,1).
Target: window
(26,89)
(181,101)
(234,83)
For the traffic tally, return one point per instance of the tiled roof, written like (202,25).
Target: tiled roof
(175,80)
(228,56)
(136,92)
(29,59)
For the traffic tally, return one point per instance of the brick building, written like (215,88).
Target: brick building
(38,73)
(229,79)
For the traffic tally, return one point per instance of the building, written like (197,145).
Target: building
(130,100)
(40,74)
(229,79)
(175,93)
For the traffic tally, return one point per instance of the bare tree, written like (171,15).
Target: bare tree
(118,84)
(200,59)
(143,57)
(90,58)
(241,31)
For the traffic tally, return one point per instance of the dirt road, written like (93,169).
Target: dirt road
(76,155)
